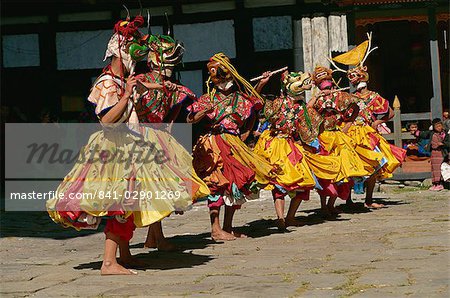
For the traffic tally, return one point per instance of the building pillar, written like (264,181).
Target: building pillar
(298,46)
(243,28)
(436,100)
(49,64)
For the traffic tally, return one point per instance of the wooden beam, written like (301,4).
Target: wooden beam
(436,101)
(403,136)
(48,64)
(414,116)
(397,123)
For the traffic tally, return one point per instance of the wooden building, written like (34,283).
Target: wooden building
(52,50)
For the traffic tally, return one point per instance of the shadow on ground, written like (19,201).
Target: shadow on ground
(388,202)
(39,225)
(358,207)
(186,242)
(155,260)
(266,227)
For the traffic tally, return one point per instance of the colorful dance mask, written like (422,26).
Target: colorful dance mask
(219,73)
(322,77)
(295,83)
(127,43)
(358,76)
(165,53)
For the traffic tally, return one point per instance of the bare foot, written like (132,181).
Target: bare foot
(281,225)
(234,233)
(132,262)
(150,243)
(238,235)
(374,206)
(292,222)
(163,245)
(222,235)
(109,268)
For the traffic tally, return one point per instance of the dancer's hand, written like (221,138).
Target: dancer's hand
(376,123)
(196,117)
(346,127)
(131,83)
(140,77)
(170,86)
(266,77)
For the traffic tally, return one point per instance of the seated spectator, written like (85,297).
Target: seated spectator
(420,146)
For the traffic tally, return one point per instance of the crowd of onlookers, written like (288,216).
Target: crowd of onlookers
(420,146)
(432,143)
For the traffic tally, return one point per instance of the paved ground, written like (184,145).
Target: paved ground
(399,251)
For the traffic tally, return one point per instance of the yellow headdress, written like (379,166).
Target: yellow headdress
(356,56)
(225,62)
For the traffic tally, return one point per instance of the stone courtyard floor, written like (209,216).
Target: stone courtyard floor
(398,251)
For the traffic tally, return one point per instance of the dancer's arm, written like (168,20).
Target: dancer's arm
(263,81)
(118,109)
(247,129)
(193,117)
(346,127)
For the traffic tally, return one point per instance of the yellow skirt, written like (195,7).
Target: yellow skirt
(327,167)
(337,143)
(222,160)
(133,181)
(288,157)
(180,161)
(368,139)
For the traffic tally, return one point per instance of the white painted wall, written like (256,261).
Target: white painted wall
(193,79)
(272,33)
(85,49)
(203,40)
(81,49)
(21,50)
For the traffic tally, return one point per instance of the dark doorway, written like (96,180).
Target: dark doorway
(401,65)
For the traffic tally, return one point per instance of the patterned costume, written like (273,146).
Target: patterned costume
(118,180)
(291,120)
(221,159)
(372,107)
(156,105)
(338,107)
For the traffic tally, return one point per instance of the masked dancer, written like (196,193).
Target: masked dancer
(120,175)
(338,109)
(373,111)
(229,168)
(162,103)
(293,127)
